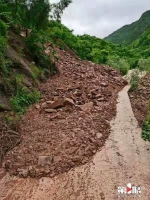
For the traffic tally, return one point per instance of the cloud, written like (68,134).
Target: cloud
(102,17)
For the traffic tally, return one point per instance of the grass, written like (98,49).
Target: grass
(24,99)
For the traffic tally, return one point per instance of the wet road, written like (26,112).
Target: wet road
(125,158)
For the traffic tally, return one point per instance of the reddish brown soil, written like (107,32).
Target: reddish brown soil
(71,136)
(140,99)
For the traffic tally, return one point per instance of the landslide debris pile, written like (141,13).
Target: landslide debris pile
(71,121)
(140,99)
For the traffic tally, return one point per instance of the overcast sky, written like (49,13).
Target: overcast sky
(102,17)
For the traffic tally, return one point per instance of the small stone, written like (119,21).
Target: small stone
(68,102)
(50,111)
(32,171)
(99,135)
(53,117)
(98,96)
(45,160)
(104,84)
(23,172)
(37,106)
(57,104)
(87,106)
(102,196)
(45,105)
(101,99)
(49,102)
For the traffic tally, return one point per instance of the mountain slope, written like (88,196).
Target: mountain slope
(127,34)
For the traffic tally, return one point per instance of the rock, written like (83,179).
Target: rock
(102,196)
(32,171)
(45,160)
(104,84)
(50,111)
(57,104)
(49,102)
(68,102)
(57,159)
(87,106)
(45,105)
(53,117)
(37,106)
(98,96)
(101,99)
(99,135)
(23,172)
(7,165)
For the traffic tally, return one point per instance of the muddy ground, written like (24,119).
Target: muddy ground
(70,123)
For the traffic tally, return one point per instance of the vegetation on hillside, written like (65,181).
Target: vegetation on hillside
(129,33)
(23,60)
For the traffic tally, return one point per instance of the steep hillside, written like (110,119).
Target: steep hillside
(89,47)
(127,34)
(141,47)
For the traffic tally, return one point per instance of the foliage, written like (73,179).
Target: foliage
(24,99)
(58,8)
(144,64)
(36,43)
(36,71)
(31,14)
(120,64)
(3,42)
(86,47)
(129,33)
(146,127)
(134,81)
(3,28)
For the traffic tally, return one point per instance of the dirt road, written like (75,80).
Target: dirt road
(125,158)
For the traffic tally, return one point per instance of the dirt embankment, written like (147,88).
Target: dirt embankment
(140,99)
(71,121)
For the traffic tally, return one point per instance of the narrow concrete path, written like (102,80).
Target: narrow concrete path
(125,158)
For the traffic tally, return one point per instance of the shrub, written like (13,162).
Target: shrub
(118,63)
(134,81)
(144,64)
(36,43)
(3,28)
(146,129)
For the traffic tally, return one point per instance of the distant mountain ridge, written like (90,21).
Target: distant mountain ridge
(129,33)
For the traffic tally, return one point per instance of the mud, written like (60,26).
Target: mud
(125,158)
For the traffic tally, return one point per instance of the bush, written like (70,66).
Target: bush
(146,129)
(144,64)
(3,28)
(118,63)
(36,43)
(24,99)
(134,81)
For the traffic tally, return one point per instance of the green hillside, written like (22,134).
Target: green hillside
(129,33)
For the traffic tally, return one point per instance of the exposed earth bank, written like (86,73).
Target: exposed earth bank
(70,123)
(140,99)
